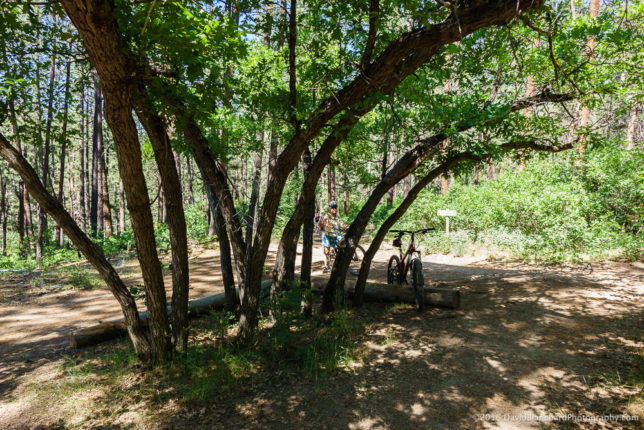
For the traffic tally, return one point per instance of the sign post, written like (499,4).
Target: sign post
(447,214)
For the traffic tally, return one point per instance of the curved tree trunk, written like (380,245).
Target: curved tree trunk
(413,194)
(407,164)
(173,200)
(89,249)
(97,26)
(225,256)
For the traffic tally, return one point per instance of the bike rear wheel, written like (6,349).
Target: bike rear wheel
(418,283)
(356,261)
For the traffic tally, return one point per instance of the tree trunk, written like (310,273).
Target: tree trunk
(175,218)
(347,200)
(191,193)
(225,257)
(331,182)
(307,239)
(83,168)
(121,209)
(116,74)
(63,153)
(89,249)
(42,215)
(24,221)
(211,211)
(407,184)
(21,216)
(105,207)
(584,112)
(4,212)
(631,130)
(491,175)
(95,215)
(251,219)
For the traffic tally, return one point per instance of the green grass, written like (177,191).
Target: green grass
(80,277)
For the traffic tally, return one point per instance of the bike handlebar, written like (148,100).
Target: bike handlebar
(421,231)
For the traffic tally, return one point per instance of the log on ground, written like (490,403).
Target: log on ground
(382,292)
(115,328)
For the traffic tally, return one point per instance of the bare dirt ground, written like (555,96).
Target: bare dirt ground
(529,340)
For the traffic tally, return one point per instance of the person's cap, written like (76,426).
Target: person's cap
(333,204)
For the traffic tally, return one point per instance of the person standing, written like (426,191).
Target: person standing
(331,227)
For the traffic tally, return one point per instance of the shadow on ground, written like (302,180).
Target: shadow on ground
(524,343)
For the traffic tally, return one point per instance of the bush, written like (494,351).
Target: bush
(552,210)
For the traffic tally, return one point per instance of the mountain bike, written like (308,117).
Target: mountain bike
(408,262)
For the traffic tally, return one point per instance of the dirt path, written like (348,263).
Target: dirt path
(36,322)
(529,340)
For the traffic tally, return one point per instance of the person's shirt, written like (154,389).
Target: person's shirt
(332,225)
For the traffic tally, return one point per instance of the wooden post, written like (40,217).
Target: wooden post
(447,214)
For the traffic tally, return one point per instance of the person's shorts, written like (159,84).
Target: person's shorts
(329,241)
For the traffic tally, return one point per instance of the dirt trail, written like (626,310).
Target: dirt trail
(34,326)
(529,340)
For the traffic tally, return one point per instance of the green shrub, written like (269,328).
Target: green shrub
(553,210)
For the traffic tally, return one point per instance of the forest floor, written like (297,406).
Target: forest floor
(553,341)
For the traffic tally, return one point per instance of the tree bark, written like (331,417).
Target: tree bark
(251,219)
(121,225)
(631,130)
(42,215)
(584,111)
(83,170)
(173,202)
(63,152)
(191,193)
(330,175)
(4,212)
(89,249)
(98,29)
(95,214)
(225,257)
(307,239)
(105,207)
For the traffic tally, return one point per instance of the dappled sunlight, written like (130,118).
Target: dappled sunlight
(520,333)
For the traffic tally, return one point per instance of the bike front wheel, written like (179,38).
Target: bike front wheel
(356,260)
(418,283)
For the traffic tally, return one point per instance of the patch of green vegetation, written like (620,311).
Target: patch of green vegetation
(628,369)
(80,277)
(553,210)
(390,337)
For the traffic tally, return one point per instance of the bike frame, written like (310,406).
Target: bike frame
(405,257)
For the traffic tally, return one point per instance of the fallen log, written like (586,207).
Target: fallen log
(374,291)
(395,293)
(115,328)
